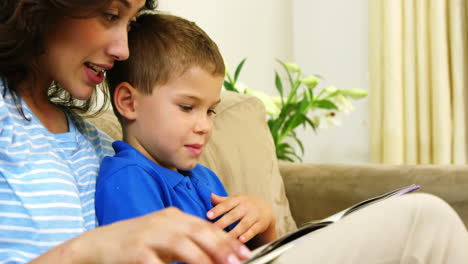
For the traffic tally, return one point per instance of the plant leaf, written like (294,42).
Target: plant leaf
(228,76)
(293,93)
(285,157)
(326,104)
(310,122)
(281,149)
(278,122)
(304,104)
(291,81)
(288,154)
(299,143)
(292,123)
(279,86)
(310,93)
(238,69)
(230,87)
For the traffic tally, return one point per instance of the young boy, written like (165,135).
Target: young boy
(165,97)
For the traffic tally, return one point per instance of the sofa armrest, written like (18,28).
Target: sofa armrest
(316,191)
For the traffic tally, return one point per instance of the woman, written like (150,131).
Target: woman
(53,54)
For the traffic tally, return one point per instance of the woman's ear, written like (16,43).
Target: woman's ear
(124,100)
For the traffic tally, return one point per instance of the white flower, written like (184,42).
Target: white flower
(323,119)
(292,67)
(271,107)
(354,93)
(311,81)
(330,89)
(343,104)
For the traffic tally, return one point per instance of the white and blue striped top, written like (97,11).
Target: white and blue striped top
(47,181)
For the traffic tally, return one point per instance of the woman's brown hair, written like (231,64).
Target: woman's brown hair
(23,28)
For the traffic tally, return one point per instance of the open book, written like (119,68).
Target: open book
(272,250)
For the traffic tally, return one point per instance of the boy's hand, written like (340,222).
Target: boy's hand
(254,215)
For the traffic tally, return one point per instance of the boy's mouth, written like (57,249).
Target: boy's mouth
(196,149)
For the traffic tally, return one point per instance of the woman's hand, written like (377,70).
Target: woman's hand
(254,215)
(162,237)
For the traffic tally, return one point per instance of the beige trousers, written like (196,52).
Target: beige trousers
(411,229)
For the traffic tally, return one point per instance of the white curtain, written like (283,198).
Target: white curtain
(419,71)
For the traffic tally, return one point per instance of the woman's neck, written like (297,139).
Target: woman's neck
(37,99)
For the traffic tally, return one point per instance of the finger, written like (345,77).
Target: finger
(250,233)
(212,245)
(225,206)
(216,199)
(185,249)
(149,258)
(174,241)
(232,216)
(244,224)
(219,245)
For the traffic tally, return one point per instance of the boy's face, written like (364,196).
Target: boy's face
(174,123)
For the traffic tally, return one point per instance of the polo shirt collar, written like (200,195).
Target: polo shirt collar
(173,178)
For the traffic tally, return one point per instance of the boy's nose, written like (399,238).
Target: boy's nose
(204,125)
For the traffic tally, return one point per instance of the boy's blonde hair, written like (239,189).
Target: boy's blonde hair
(162,47)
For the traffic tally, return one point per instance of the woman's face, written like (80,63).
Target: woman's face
(78,51)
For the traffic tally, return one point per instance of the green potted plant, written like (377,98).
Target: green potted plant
(300,103)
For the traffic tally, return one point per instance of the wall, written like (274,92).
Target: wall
(257,30)
(330,39)
(327,37)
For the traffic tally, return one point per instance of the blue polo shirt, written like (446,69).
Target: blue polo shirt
(131,185)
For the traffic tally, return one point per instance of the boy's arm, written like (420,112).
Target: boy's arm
(127,193)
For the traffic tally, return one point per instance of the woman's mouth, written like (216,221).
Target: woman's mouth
(96,69)
(94,73)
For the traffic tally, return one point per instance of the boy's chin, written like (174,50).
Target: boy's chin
(187,167)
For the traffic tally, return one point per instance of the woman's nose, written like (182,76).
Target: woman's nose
(118,47)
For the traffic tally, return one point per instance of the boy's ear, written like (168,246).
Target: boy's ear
(124,100)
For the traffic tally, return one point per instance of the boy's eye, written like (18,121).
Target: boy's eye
(185,108)
(211,112)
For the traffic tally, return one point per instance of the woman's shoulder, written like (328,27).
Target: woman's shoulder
(7,100)
(101,142)
(10,110)
(3,103)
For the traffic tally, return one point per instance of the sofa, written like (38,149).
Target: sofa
(242,154)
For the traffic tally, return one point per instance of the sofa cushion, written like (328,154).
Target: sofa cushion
(242,153)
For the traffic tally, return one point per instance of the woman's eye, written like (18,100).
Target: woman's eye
(185,108)
(111,16)
(211,112)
